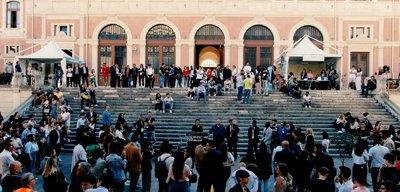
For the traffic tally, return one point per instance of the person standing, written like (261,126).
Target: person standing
(218,132)
(69,76)
(58,75)
(12,181)
(376,160)
(9,72)
(6,157)
(146,166)
(28,183)
(107,117)
(199,152)
(149,77)
(213,168)
(239,84)
(116,165)
(178,174)
(113,74)
(162,76)
(133,156)
(242,178)
(104,74)
(252,135)
(247,89)
(135,73)
(84,72)
(76,75)
(232,131)
(150,124)
(343,181)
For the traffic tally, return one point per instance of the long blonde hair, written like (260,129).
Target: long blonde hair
(50,167)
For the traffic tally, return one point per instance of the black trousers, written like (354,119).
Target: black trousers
(85,79)
(134,78)
(76,80)
(232,146)
(253,144)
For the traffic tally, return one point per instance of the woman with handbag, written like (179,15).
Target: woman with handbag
(179,174)
(53,178)
(84,96)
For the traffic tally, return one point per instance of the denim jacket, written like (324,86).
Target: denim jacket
(116,166)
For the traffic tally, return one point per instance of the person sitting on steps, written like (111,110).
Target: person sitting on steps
(369,86)
(201,92)
(307,100)
(168,101)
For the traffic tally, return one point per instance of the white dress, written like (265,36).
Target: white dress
(358,80)
(352,75)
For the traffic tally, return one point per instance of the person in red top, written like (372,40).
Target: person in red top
(104,74)
(209,74)
(186,73)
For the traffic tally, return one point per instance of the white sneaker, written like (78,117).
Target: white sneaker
(305,106)
(163,111)
(82,110)
(170,111)
(309,107)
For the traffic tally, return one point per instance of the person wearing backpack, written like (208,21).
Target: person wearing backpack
(162,165)
(116,168)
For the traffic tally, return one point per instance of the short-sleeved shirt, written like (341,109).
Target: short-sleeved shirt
(376,153)
(149,121)
(247,83)
(31,147)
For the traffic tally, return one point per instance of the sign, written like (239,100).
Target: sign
(313,58)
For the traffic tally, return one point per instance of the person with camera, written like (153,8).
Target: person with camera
(369,86)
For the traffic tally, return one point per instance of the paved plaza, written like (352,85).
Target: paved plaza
(66,168)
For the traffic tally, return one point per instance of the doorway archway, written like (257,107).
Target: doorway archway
(258,46)
(209,46)
(112,46)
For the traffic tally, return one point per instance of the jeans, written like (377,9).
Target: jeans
(162,81)
(171,105)
(246,97)
(240,93)
(263,185)
(307,103)
(203,94)
(185,82)
(151,136)
(56,79)
(179,186)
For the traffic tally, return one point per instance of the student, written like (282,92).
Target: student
(242,178)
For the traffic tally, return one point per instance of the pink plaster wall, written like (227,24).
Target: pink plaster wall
(387,56)
(387,35)
(329,25)
(345,60)
(136,56)
(234,25)
(93,22)
(185,24)
(137,24)
(37,27)
(284,25)
(89,61)
(375,61)
(185,56)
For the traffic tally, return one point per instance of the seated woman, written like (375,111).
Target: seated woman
(212,87)
(191,92)
(158,105)
(340,123)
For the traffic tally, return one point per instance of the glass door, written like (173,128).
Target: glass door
(265,56)
(360,59)
(120,56)
(250,55)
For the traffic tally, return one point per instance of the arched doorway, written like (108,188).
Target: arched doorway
(258,46)
(112,46)
(160,46)
(209,46)
(310,31)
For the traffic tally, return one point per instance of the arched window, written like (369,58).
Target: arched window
(112,32)
(258,32)
(310,31)
(258,43)
(160,42)
(161,32)
(209,32)
(13,15)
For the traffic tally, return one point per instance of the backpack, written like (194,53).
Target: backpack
(161,170)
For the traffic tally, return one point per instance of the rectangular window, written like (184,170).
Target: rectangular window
(65,30)
(360,32)
(11,49)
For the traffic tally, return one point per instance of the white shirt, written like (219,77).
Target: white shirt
(5,160)
(78,154)
(360,160)
(169,161)
(149,71)
(307,98)
(345,187)
(376,153)
(252,184)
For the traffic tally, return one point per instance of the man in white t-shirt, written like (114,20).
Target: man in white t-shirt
(343,181)
(307,100)
(247,69)
(376,160)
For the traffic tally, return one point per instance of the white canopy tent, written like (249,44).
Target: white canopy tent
(305,51)
(50,53)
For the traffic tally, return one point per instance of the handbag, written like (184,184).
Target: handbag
(193,178)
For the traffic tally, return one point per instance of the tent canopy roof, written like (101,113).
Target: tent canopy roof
(306,48)
(51,52)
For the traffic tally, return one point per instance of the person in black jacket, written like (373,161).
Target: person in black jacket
(113,75)
(76,76)
(371,85)
(232,131)
(242,178)
(84,73)
(252,135)
(213,162)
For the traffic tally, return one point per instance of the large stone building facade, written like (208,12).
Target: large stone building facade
(203,32)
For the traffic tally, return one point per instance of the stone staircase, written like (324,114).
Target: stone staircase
(327,105)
